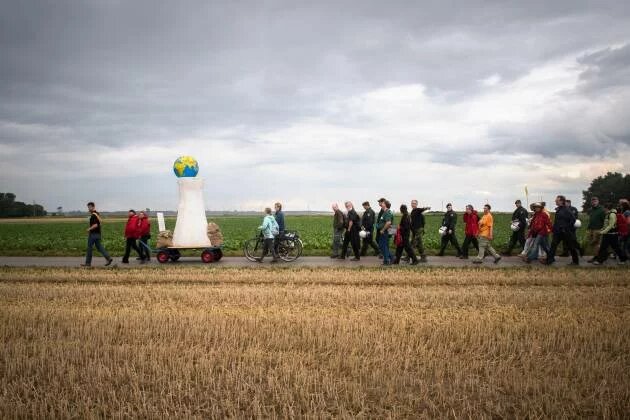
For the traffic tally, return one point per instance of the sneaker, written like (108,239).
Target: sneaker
(123,262)
(356,259)
(258,259)
(111,260)
(621,262)
(477,261)
(414,262)
(380,256)
(596,263)
(497,259)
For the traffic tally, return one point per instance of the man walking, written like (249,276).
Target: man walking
(367,224)
(520,217)
(610,237)
(383,223)
(417,229)
(486,225)
(563,231)
(279,216)
(144,226)
(132,230)
(338,222)
(449,222)
(378,217)
(94,237)
(596,219)
(351,235)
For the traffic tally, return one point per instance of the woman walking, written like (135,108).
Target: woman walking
(405,233)
(269,229)
(486,225)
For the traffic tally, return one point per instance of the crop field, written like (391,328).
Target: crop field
(60,237)
(318,343)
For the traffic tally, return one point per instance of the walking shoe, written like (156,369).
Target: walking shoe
(258,259)
(463,257)
(414,262)
(573,264)
(549,262)
(596,263)
(592,260)
(497,259)
(123,262)
(423,259)
(334,256)
(356,259)
(380,256)
(621,262)
(440,254)
(111,260)
(341,258)
(477,261)
(273,261)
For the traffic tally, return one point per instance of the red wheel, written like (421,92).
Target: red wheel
(207,256)
(163,256)
(218,254)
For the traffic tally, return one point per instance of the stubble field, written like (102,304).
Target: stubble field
(319,343)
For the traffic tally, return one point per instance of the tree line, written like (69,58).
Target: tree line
(11,208)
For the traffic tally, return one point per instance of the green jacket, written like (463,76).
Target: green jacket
(596,218)
(611,223)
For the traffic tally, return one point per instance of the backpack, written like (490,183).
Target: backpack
(275,229)
(398,240)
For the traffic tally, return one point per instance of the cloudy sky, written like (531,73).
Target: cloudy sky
(311,102)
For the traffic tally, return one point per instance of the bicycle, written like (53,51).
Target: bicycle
(289,245)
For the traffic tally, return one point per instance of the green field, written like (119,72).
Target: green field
(67,237)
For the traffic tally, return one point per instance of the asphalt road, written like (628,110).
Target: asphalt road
(301,262)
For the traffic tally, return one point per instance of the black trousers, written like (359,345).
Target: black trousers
(406,246)
(467,241)
(518,236)
(131,244)
(569,243)
(369,241)
(268,246)
(352,238)
(610,240)
(450,237)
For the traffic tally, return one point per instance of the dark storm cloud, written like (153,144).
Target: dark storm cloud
(605,69)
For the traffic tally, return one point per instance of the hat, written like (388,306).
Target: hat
(534,205)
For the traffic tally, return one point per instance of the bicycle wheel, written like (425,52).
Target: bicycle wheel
(253,249)
(289,249)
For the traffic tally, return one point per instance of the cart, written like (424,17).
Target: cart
(172,253)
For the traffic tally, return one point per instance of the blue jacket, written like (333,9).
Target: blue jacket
(266,226)
(280,220)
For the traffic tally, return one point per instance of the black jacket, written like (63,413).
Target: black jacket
(368,219)
(405,225)
(450,220)
(353,217)
(417,218)
(520,214)
(564,220)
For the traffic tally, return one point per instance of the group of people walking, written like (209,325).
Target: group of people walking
(607,228)
(137,228)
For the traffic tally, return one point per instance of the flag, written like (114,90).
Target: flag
(526,192)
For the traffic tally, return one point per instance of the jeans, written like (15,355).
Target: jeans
(145,254)
(383,244)
(337,237)
(539,241)
(94,239)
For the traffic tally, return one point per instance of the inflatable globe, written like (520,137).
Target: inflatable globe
(185,167)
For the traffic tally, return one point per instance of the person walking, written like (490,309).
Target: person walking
(367,224)
(471,230)
(131,236)
(417,229)
(539,229)
(563,231)
(624,212)
(279,216)
(351,235)
(383,223)
(378,217)
(449,221)
(576,214)
(486,225)
(405,233)
(144,228)
(338,223)
(519,217)
(270,230)
(596,219)
(94,237)
(610,237)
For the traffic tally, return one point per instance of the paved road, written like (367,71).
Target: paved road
(301,262)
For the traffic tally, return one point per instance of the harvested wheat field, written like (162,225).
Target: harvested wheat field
(321,343)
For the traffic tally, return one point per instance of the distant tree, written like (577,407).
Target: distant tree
(11,208)
(608,188)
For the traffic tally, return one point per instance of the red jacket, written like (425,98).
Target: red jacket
(622,224)
(472,223)
(131,228)
(540,225)
(144,227)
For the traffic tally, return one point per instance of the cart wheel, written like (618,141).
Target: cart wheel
(163,257)
(207,256)
(218,254)
(175,255)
